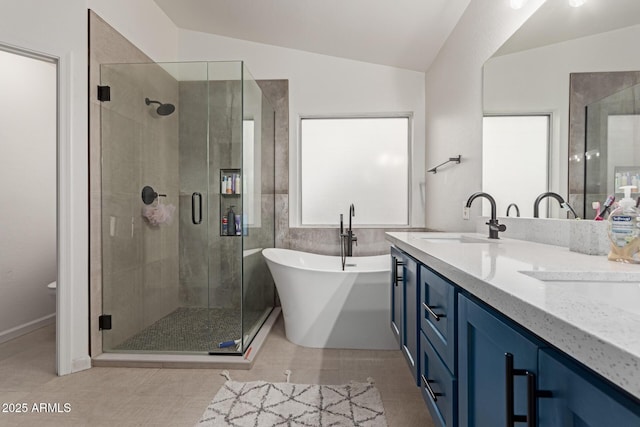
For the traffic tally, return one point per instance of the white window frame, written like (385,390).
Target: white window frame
(297,214)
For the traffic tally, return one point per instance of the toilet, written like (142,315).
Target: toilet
(52,288)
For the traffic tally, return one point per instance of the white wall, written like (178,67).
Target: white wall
(28,186)
(540,78)
(324,85)
(58,28)
(453,92)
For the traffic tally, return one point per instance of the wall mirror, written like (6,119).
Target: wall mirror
(559,51)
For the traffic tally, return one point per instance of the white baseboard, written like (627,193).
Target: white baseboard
(27,327)
(81,364)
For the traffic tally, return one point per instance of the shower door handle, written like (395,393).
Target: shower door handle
(195,196)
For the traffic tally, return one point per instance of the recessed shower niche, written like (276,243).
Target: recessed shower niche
(171,282)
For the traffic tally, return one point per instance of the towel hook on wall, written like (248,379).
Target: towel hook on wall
(451,159)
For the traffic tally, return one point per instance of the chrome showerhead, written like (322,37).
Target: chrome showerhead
(163,109)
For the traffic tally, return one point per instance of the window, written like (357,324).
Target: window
(515,161)
(361,160)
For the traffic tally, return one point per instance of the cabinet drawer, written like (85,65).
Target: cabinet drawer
(437,308)
(442,384)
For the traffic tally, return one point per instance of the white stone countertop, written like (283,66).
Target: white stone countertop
(584,305)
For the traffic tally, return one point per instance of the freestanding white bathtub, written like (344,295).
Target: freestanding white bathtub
(325,307)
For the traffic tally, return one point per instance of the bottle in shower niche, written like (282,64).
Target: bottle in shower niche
(231,221)
(225,226)
(238,226)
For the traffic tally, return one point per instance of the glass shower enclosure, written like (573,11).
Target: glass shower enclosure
(612,141)
(187,206)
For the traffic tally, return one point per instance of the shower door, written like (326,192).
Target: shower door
(154,202)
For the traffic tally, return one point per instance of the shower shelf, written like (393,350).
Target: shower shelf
(230,199)
(233,188)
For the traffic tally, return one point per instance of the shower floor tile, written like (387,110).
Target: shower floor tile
(192,329)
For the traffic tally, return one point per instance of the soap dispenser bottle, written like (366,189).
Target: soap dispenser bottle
(624,230)
(231,222)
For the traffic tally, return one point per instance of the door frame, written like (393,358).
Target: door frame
(64,183)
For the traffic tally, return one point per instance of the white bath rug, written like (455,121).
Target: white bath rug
(264,404)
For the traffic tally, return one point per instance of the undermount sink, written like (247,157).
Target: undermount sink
(454,238)
(614,289)
(583,276)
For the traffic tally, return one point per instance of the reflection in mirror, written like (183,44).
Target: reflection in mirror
(596,101)
(514,162)
(612,153)
(530,74)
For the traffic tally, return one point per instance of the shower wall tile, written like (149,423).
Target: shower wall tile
(120,153)
(159,290)
(277,92)
(193,243)
(108,45)
(326,241)
(95,246)
(95,157)
(283,239)
(268,150)
(193,271)
(120,246)
(127,96)
(225,263)
(158,161)
(210,270)
(192,294)
(95,310)
(125,305)
(193,137)
(256,295)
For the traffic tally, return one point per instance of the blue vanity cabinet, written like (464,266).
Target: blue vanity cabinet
(438,344)
(437,310)
(493,360)
(397,290)
(580,398)
(404,313)
(477,368)
(438,385)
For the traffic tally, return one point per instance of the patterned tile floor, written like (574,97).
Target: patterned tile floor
(104,397)
(193,329)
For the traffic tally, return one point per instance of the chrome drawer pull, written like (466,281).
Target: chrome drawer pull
(427,387)
(431,312)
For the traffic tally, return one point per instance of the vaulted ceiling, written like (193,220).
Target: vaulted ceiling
(399,33)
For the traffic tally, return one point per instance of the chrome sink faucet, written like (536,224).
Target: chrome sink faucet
(513,205)
(563,204)
(494,227)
